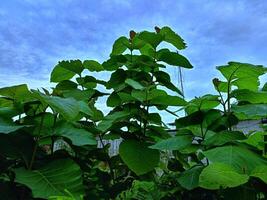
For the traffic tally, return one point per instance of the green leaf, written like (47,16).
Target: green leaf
(110,119)
(260,172)
(8,126)
(171,37)
(65,70)
(173,58)
(243,75)
(78,136)
(205,102)
(219,175)
(240,158)
(173,143)
(18,93)
(165,80)
(120,45)
(138,157)
(66,85)
(113,100)
(256,139)
(153,39)
(224,137)
(53,179)
(255,97)
(92,65)
(114,63)
(68,107)
(250,111)
(134,84)
(189,179)
(168,100)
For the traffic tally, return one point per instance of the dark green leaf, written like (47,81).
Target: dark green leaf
(53,179)
(78,136)
(92,65)
(189,179)
(120,45)
(173,143)
(241,159)
(173,58)
(219,175)
(138,157)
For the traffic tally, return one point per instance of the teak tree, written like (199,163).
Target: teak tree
(48,138)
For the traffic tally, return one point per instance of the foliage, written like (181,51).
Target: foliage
(52,142)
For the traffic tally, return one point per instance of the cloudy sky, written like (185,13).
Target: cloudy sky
(36,34)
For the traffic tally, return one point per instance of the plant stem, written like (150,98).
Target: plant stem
(36,142)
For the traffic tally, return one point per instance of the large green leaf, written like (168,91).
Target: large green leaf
(53,179)
(255,97)
(78,136)
(260,172)
(92,65)
(68,107)
(224,137)
(250,111)
(65,70)
(173,143)
(7,126)
(110,119)
(165,80)
(173,58)
(16,92)
(136,85)
(240,158)
(120,45)
(153,39)
(205,102)
(219,175)
(189,179)
(173,38)
(242,75)
(138,157)
(168,100)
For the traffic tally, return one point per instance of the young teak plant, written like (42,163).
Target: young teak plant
(54,143)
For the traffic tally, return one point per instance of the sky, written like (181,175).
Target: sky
(36,34)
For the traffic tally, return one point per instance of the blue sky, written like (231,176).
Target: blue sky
(36,34)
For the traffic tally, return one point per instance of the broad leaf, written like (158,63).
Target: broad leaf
(65,70)
(255,97)
(53,179)
(173,58)
(260,172)
(136,85)
(242,75)
(224,137)
(7,126)
(19,93)
(173,38)
(120,45)
(241,159)
(68,107)
(168,100)
(219,175)
(189,179)
(78,136)
(92,65)
(138,157)
(250,111)
(173,143)
(153,39)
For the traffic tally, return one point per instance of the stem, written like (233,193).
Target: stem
(107,160)
(36,144)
